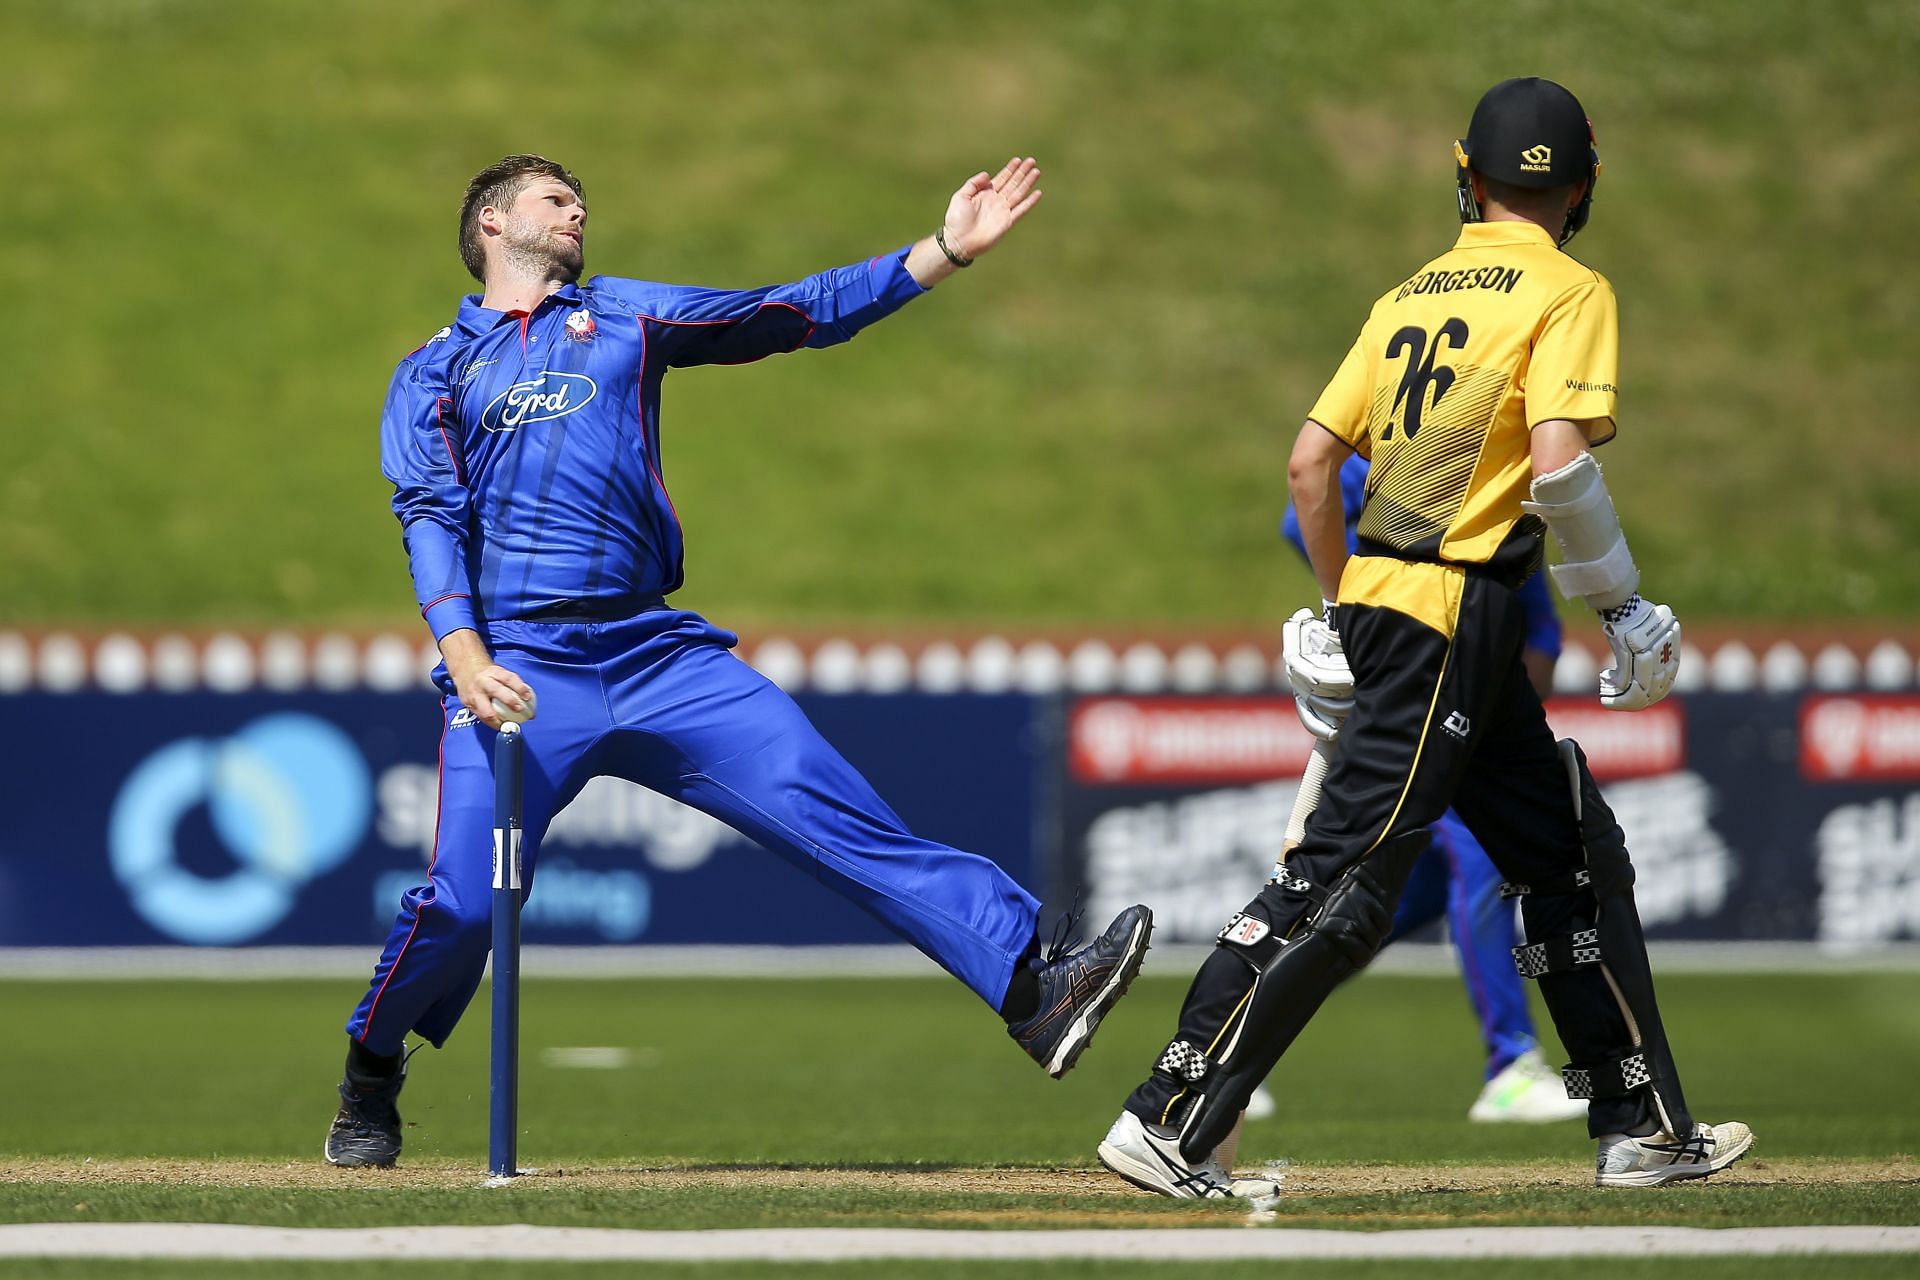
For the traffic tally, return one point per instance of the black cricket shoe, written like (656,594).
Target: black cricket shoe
(1077,989)
(366,1132)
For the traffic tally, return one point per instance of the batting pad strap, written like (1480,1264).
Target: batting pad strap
(1600,578)
(1291,883)
(1607,1079)
(1244,930)
(1185,1062)
(1559,884)
(1250,938)
(1556,955)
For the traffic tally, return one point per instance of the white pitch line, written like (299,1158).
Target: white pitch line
(804,1244)
(884,960)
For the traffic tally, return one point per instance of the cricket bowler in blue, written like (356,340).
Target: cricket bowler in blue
(523,444)
(1455,877)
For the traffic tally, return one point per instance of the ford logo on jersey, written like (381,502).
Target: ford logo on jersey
(549,396)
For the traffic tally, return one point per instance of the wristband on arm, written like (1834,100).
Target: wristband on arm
(940,238)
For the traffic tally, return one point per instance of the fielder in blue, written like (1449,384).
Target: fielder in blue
(1455,877)
(523,443)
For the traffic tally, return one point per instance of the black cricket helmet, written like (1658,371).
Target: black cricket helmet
(1529,133)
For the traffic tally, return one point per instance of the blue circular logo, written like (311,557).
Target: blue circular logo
(289,797)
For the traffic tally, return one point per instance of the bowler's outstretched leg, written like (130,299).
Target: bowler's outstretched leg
(709,730)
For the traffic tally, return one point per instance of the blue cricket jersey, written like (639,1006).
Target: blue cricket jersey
(1543,625)
(524,447)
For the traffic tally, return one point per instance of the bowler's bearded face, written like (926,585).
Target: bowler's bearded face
(544,231)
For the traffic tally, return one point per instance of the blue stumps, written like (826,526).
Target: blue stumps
(503,1118)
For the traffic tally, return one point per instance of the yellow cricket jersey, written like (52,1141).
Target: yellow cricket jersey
(1450,373)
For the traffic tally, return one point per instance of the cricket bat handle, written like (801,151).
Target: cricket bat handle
(1307,799)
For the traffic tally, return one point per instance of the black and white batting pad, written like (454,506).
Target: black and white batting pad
(1557,954)
(1183,1060)
(1607,1079)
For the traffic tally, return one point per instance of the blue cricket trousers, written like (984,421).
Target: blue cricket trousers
(1455,875)
(658,699)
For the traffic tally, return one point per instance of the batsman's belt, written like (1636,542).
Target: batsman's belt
(595,609)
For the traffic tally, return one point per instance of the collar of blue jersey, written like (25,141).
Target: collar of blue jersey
(473,318)
(1482,235)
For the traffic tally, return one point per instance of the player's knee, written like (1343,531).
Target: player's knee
(1359,916)
(469,927)
(1257,932)
(1354,915)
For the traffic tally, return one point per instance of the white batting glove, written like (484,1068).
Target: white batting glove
(1317,670)
(1645,639)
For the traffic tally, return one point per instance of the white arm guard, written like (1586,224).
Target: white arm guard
(1597,565)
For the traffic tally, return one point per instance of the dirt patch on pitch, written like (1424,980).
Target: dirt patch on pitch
(1301,1181)
(263,1174)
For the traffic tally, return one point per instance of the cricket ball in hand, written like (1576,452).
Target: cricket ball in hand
(511,716)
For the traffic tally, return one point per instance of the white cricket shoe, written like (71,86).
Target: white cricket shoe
(1526,1091)
(1653,1161)
(1149,1157)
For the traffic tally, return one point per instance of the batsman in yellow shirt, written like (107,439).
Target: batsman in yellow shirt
(1476,387)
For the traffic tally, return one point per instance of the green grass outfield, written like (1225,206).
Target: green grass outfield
(900,1103)
(1890,1268)
(227,221)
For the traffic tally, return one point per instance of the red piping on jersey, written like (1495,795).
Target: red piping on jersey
(805,338)
(671,509)
(451,595)
(372,1009)
(640,409)
(440,404)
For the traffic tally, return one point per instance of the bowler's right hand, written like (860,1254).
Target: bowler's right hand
(494,687)
(479,680)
